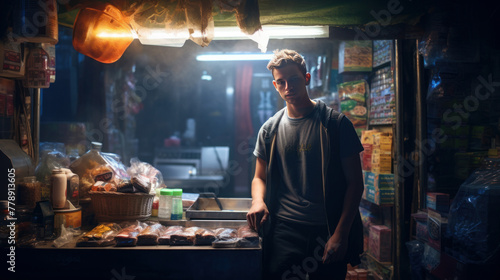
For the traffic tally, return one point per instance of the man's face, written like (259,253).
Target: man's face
(291,83)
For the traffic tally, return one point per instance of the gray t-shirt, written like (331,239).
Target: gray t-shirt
(300,194)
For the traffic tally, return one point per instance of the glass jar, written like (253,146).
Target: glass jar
(30,191)
(176,204)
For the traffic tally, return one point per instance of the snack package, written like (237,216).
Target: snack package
(150,235)
(127,237)
(164,238)
(185,237)
(204,236)
(225,238)
(353,103)
(101,186)
(100,236)
(247,237)
(144,176)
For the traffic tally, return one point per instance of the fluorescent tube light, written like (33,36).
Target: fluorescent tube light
(274,32)
(234,57)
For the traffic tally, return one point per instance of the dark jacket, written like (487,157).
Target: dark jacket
(334,182)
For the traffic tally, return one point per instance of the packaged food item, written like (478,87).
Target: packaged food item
(353,102)
(164,238)
(185,237)
(144,177)
(127,237)
(30,191)
(355,56)
(247,237)
(225,238)
(204,236)
(100,236)
(150,235)
(101,186)
(94,166)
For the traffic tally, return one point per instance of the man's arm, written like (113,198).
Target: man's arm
(336,246)
(258,213)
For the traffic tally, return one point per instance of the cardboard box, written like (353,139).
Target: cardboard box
(382,141)
(436,227)
(379,188)
(367,136)
(380,243)
(439,202)
(355,56)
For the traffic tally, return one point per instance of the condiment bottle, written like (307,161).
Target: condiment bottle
(165,207)
(37,68)
(72,185)
(176,204)
(59,185)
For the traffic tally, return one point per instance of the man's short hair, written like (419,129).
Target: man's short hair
(285,57)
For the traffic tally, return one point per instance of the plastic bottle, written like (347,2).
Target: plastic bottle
(59,185)
(72,184)
(165,207)
(37,68)
(177,204)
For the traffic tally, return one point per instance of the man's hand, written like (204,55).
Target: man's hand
(257,214)
(335,248)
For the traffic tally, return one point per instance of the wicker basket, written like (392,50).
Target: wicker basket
(115,206)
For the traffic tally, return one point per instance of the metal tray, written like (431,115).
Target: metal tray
(207,208)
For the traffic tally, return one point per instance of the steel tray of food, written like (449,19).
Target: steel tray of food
(208,208)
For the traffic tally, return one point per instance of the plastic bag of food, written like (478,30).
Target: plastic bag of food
(353,103)
(200,21)
(100,236)
(150,234)
(204,236)
(164,238)
(127,237)
(186,237)
(96,166)
(225,238)
(247,237)
(52,156)
(144,176)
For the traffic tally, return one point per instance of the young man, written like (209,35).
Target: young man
(308,182)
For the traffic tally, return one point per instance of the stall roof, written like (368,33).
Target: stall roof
(337,13)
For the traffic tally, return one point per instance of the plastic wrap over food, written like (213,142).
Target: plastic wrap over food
(145,177)
(127,237)
(203,236)
(100,236)
(164,238)
(247,237)
(160,23)
(200,21)
(473,221)
(225,238)
(52,156)
(185,237)
(150,234)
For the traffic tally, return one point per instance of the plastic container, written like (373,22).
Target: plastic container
(30,191)
(37,68)
(176,204)
(102,33)
(73,185)
(165,205)
(82,166)
(58,181)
